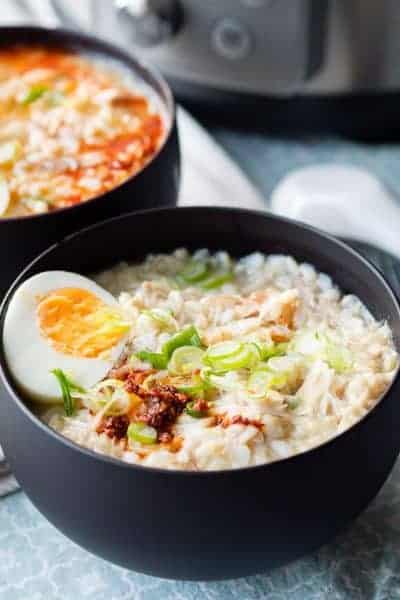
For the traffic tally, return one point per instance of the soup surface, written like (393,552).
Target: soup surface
(228,363)
(70,130)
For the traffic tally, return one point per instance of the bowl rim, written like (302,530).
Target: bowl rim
(17,397)
(68,37)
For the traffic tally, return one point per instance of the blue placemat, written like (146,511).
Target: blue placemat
(38,563)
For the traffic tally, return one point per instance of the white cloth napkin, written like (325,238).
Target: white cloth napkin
(209,177)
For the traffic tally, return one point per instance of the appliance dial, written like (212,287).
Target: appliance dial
(231,39)
(149,22)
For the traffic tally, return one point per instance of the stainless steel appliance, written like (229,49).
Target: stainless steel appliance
(304,62)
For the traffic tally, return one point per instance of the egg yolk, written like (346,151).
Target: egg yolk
(78,323)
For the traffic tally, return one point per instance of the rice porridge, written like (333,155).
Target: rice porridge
(229,363)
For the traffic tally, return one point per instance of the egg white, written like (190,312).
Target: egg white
(31,358)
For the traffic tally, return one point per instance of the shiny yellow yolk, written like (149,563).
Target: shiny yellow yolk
(78,323)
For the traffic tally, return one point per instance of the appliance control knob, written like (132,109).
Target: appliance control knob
(149,22)
(231,39)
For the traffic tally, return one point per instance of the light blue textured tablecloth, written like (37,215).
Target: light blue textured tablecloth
(38,563)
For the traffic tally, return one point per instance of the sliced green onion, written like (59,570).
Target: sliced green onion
(256,354)
(193,412)
(216,280)
(158,360)
(195,390)
(67,386)
(205,375)
(338,357)
(241,356)
(318,345)
(227,381)
(194,386)
(185,360)
(34,94)
(187,337)
(142,433)
(108,396)
(273,349)
(223,350)
(202,273)
(246,359)
(261,381)
(74,387)
(283,364)
(112,394)
(194,271)
(163,318)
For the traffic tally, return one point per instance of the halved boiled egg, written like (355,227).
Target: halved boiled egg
(61,320)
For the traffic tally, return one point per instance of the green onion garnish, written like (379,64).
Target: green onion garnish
(34,94)
(262,380)
(319,345)
(185,360)
(194,271)
(223,350)
(142,433)
(194,386)
(204,275)
(338,357)
(67,386)
(195,389)
(273,349)
(187,337)
(222,381)
(230,356)
(215,280)
(157,360)
(193,412)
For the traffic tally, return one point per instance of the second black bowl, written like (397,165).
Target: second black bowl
(204,525)
(155,185)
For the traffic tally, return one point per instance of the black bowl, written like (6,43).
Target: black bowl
(204,525)
(156,185)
